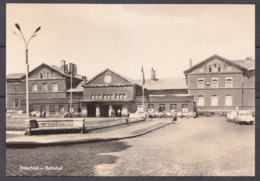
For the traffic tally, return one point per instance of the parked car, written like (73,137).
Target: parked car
(244,117)
(35,114)
(231,115)
(67,115)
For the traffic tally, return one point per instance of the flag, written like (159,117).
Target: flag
(143,75)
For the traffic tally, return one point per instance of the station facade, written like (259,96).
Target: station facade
(213,85)
(219,84)
(48,90)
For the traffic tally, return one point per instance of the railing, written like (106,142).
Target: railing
(54,124)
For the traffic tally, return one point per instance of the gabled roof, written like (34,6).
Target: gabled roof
(15,75)
(237,64)
(131,82)
(164,83)
(55,69)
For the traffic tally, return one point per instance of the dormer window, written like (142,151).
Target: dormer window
(210,68)
(228,67)
(41,75)
(219,68)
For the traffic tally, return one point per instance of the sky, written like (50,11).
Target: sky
(124,38)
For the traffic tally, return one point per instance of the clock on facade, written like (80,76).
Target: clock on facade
(108,79)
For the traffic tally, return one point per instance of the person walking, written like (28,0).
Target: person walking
(174,117)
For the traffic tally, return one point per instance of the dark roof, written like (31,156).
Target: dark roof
(166,98)
(250,64)
(53,67)
(123,77)
(15,75)
(241,64)
(79,88)
(164,83)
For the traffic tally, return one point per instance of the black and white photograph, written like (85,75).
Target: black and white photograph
(130,90)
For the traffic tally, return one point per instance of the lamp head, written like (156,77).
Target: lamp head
(38,29)
(17,26)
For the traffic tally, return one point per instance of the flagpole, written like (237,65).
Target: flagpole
(143,97)
(143,85)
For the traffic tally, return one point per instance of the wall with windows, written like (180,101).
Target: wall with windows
(207,81)
(218,99)
(109,93)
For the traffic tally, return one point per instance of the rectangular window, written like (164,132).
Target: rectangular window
(173,107)
(120,96)
(111,96)
(124,96)
(99,96)
(79,108)
(219,68)
(184,108)
(214,100)
(55,87)
(30,108)
(161,107)
(35,88)
(105,96)
(140,108)
(228,100)
(44,87)
(116,96)
(92,96)
(15,88)
(72,108)
(52,108)
(16,103)
(43,108)
(151,107)
(200,83)
(229,82)
(214,82)
(200,100)
(61,108)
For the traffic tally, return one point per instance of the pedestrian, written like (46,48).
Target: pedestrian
(113,113)
(150,114)
(119,112)
(174,117)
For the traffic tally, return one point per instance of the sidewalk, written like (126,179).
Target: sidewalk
(130,131)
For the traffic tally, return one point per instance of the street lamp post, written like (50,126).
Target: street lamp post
(26,62)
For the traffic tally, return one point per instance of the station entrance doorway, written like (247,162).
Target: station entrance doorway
(118,110)
(104,111)
(91,110)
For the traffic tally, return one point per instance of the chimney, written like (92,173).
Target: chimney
(75,69)
(62,66)
(72,68)
(84,79)
(190,63)
(153,75)
(249,58)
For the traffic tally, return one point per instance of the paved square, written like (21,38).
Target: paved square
(207,146)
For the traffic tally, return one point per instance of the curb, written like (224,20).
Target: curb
(14,144)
